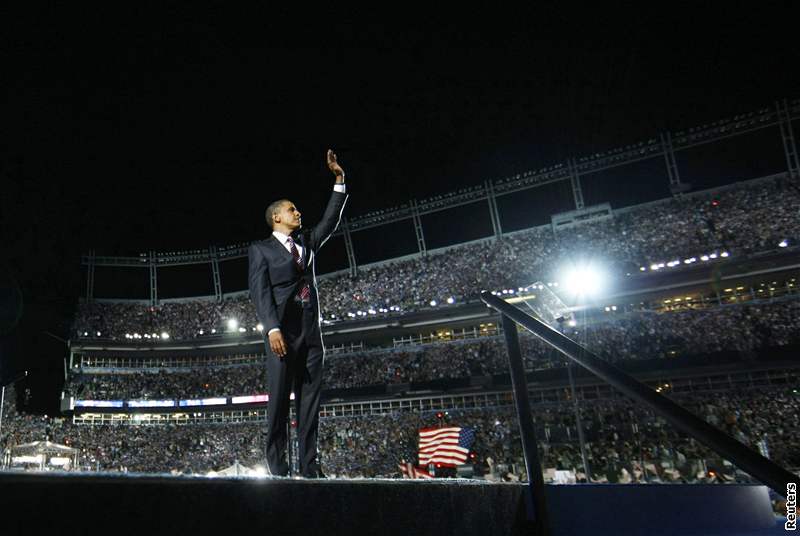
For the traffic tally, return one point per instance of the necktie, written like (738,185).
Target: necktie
(304,293)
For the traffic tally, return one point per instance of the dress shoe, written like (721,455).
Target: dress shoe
(314,472)
(281,470)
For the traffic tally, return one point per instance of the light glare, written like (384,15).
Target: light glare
(583,281)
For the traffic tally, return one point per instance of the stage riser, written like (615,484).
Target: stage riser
(143,505)
(184,506)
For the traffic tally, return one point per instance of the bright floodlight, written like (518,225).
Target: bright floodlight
(784,243)
(165,335)
(451,301)
(260,327)
(433,303)
(585,280)
(233,324)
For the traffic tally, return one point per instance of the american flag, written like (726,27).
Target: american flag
(446,446)
(409,471)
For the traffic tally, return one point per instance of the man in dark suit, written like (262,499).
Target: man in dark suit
(283,288)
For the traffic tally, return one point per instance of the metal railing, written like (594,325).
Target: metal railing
(761,468)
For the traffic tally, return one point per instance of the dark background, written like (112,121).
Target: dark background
(130,132)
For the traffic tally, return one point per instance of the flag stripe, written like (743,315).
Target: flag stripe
(447,459)
(452,448)
(433,439)
(424,432)
(439,436)
(446,442)
(443,453)
(410,471)
(443,459)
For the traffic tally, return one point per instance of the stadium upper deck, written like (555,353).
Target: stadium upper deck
(721,230)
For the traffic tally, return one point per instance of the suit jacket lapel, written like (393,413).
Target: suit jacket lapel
(304,258)
(299,238)
(276,244)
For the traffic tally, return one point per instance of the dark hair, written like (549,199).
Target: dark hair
(273,209)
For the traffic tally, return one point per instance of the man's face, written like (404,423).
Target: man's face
(289,216)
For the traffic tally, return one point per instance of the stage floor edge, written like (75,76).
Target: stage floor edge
(114,504)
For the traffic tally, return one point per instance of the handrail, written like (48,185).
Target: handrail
(536,503)
(763,469)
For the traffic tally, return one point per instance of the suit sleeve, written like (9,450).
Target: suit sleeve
(261,290)
(330,220)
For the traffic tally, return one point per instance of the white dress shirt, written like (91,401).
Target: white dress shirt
(283,239)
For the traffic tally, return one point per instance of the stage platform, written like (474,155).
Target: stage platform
(116,504)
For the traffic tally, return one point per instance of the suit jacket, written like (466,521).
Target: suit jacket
(274,279)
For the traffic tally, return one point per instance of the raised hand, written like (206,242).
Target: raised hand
(333,165)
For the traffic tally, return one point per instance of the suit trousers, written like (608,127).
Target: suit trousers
(300,371)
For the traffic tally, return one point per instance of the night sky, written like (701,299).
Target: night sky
(129,132)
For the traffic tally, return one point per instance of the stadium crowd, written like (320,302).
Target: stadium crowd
(635,335)
(623,442)
(748,218)
(158,384)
